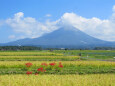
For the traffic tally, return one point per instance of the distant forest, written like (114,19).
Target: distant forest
(16,48)
(4,48)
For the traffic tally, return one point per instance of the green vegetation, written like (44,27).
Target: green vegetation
(39,58)
(90,54)
(29,53)
(70,67)
(79,66)
(14,48)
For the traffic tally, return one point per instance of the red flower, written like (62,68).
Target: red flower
(40,69)
(44,64)
(44,70)
(61,65)
(52,64)
(36,73)
(28,72)
(28,64)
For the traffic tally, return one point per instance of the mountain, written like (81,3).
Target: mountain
(67,36)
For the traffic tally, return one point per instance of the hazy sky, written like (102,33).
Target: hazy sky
(33,18)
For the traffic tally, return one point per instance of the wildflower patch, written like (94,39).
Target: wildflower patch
(43,68)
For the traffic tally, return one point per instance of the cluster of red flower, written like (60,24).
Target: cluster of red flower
(44,64)
(28,72)
(28,64)
(41,68)
(52,64)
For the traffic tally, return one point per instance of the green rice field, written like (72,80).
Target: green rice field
(79,68)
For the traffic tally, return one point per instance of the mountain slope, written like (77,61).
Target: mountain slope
(65,36)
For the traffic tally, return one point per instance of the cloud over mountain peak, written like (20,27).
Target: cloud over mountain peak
(32,28)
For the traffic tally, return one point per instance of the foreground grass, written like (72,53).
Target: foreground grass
(58,80)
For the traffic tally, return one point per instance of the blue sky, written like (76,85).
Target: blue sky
(46,13)
(39,8)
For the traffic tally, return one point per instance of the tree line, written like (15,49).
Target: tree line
(4,48)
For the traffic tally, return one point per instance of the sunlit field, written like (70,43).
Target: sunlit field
(27,53)
(58,80)
(89,69)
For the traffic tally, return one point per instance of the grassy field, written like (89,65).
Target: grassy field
(70,67)
(29,53)
(58,80)
(39,58)
(91,54)
(92,68)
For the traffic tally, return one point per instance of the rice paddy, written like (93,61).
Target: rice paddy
(76,71)
(58,80)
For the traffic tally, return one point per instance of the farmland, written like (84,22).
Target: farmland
(58,80)
(97,67)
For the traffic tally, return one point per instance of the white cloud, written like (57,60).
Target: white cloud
(48,15)
(114,8)
(102,29)
(29,26)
